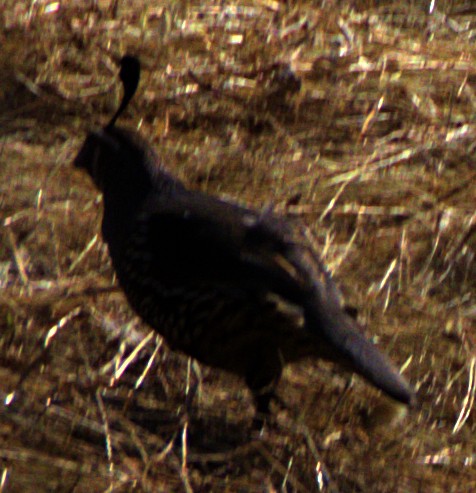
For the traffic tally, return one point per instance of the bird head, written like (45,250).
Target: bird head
(114,156)
(99,156)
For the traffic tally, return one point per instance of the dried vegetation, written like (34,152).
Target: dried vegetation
(354,117)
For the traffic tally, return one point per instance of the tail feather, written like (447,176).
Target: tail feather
(353,350)
(368,361)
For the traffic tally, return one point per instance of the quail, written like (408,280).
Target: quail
(237,289)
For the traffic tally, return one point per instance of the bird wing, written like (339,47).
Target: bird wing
(196,238)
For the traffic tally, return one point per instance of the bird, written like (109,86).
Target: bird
(238,289)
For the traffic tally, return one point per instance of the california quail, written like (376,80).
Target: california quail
(234,288)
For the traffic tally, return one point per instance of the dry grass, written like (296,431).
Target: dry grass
(374,152)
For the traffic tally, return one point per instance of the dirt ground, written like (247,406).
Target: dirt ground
(356,118)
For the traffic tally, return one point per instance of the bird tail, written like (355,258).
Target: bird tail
(353,350)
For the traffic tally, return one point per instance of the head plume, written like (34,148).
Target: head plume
(129,75)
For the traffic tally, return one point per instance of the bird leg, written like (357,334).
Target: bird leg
(262,376)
